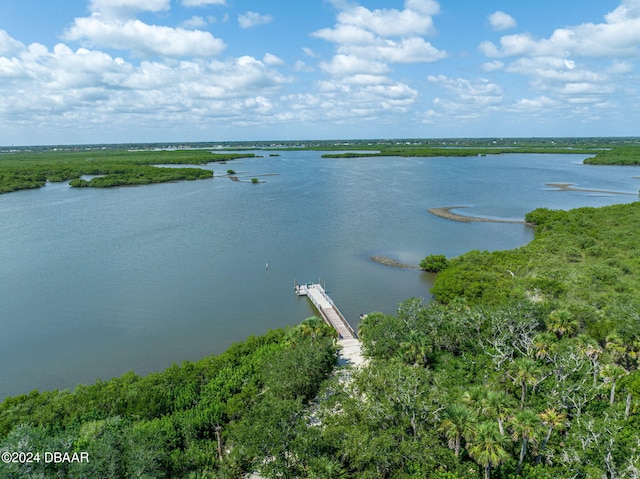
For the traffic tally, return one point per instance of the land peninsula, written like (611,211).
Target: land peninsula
(106,166)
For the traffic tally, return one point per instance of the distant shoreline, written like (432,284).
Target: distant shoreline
(446,213)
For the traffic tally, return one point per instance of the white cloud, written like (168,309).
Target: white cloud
(535,104)
(9,45)
(344,65)
(194,22)
(309,52)
(620,67)
(618,36)
(552,70)
(569,68)
(412,50)
(120,8)
(300,66)
(368,40)
(390,22)
(252,19)
(202,3)
(272,60)
(78,89)
(346,34)
(493,66)
(479,91)
(144,39)
(501,21)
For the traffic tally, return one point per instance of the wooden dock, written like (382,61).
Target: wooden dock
(327,309)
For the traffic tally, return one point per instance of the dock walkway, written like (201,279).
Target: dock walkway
(327,309)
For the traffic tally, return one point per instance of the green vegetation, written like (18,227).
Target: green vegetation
(231,172)
(434,263)
(220,415)
(457,152)
(604,151)
(255,180)
(586,259)
(616,156)
(111,167)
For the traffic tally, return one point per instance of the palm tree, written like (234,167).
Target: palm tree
(487,446)
(544,345)
(590,349)
(562,322)
(457,422)
(499,405)
(524,373)
(325,468)
(525,426)
(475,398)
(554,420)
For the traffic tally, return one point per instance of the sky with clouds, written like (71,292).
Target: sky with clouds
(117,71)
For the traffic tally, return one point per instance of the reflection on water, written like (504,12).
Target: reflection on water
(98,282)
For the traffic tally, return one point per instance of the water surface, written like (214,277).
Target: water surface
(94,283)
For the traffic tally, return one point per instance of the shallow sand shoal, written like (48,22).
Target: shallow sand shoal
(445,212)
(570,187)
(391,262)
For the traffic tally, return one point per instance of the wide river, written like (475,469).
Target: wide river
(98,282)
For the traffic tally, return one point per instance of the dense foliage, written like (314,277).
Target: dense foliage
(111,167)
(586,259)
(616,156)
(518,390)
(434,263)
(221,415)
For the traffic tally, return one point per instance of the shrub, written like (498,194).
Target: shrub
(434,263)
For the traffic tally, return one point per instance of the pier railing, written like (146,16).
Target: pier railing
(305,289)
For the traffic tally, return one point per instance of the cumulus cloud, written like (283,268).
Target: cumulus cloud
(618,35)
(577,65)
(272,60)
(501,21)
(367,42)
(253,19)
(345,65)
(412,50)
(479,91)
(77,88)
(391,22)
(9,45)
(144,39)
(464,100)
(370,37)
(119,8)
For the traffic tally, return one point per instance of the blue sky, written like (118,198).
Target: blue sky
(115,71)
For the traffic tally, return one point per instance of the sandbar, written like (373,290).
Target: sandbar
(570,187)
(391,262)
(445,212)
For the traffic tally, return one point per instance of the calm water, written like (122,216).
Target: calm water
(94,283)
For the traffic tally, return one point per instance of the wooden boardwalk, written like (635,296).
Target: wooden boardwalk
(327,309)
